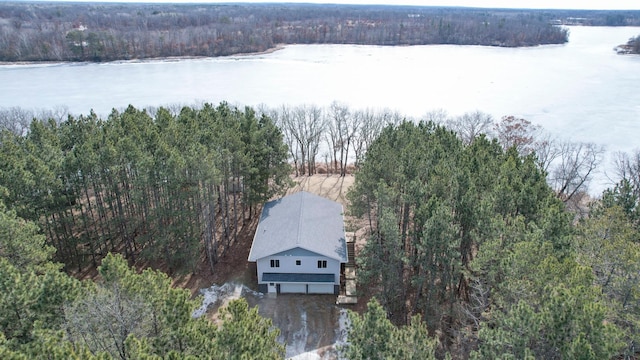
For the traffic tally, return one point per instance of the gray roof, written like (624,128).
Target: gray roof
(301,220)
(299,278)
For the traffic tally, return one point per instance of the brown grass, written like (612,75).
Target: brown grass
(333,187)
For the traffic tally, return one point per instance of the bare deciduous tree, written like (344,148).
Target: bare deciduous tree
(521,133)
(313,126)
(371,124)
(16,120)
(627,167)
(351,129)
(283,118)
(336,128)
(103,321)
(547,150)
(438,116)
(575,166)
(470,125)
(303,129)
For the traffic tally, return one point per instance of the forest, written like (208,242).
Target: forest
(169,190)
(144,186)
(41,31)
(481,238)
(470,240)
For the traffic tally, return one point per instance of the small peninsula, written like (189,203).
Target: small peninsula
(631,47)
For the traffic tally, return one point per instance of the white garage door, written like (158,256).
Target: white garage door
(293,288)
(320,288)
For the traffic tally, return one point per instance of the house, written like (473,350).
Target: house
(299,245)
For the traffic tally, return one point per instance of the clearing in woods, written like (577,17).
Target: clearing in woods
(306,322)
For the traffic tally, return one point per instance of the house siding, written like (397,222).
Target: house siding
(308,265)
(320,289)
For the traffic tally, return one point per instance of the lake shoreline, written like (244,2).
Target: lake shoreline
(573,91)
(271,50)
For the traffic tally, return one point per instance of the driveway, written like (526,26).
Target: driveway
(307,323)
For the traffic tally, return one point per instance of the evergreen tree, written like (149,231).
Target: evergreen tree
(544,307)
(32,289)
(434,206)
(21,243)
(245,334)
(372,336)
(159,187)
(607,243)
(28,298)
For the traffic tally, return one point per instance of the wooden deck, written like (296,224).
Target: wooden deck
(348,284)
(349,272)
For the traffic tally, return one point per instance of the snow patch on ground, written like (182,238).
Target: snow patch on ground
(299,341)
(343,328)
(330,352)
(218,295)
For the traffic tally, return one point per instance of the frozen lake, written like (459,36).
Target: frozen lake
(581,90)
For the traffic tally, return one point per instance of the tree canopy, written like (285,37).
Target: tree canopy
(468,235)
(46,314)
(470,248)
(167,187)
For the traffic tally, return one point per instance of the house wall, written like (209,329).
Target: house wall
(308,265)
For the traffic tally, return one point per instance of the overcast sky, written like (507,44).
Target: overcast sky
(532,4)
(535,4)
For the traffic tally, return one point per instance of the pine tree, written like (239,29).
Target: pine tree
(372,336)
(245,334)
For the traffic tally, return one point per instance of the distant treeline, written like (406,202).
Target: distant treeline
(106,32)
